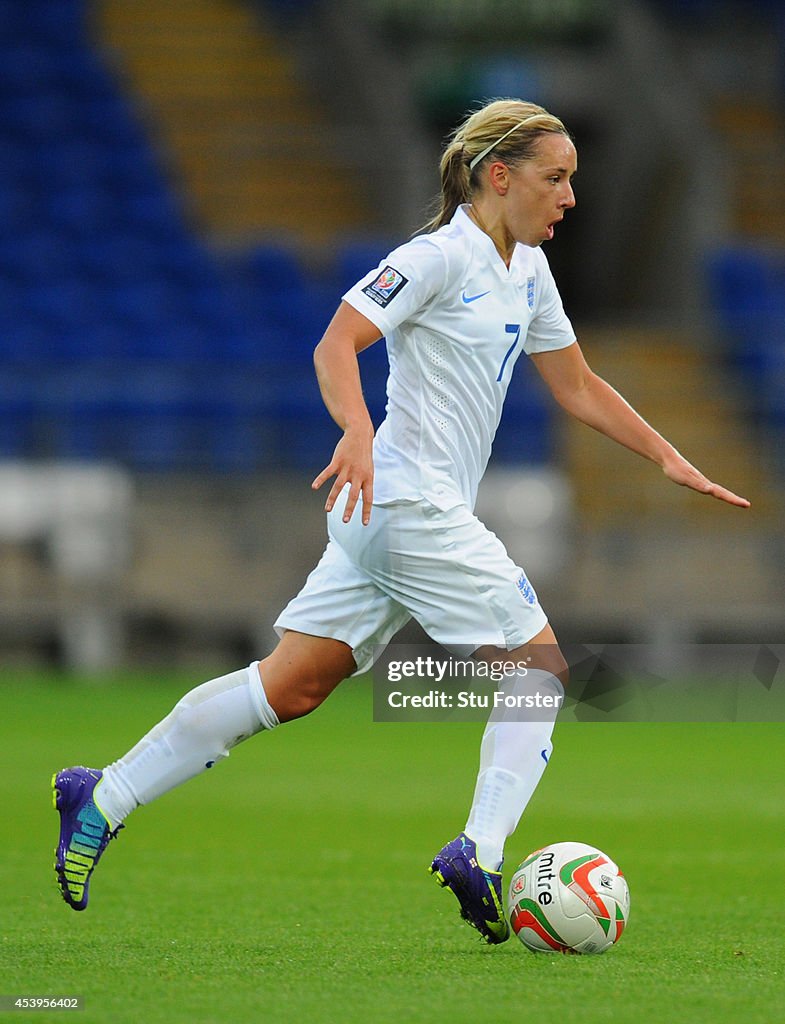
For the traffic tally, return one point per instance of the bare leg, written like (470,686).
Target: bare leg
(302,672)
(543,649)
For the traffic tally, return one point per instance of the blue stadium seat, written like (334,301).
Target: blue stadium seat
(525,431)
(747,285)
(38,255)
(56,21)
(17,416)
(748,289)
(306,434)
(355,258)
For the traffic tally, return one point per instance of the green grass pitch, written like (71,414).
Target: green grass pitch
(290,884)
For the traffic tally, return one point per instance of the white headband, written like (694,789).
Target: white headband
(493,145)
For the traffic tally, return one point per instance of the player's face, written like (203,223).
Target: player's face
(540,190)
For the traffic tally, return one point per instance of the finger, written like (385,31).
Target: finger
(335,490)
(325,474)
(367,502)
(351,501)
(717,491)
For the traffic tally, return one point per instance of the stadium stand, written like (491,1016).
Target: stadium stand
(737,52)
(125,333)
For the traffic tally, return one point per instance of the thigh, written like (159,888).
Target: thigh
(340,602)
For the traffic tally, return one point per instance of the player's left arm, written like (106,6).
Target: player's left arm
(593,401)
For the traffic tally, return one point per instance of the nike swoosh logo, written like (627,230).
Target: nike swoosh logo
(473,298)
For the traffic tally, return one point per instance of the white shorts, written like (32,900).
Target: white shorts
(444,569)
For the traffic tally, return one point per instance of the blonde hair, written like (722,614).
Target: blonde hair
(506,129)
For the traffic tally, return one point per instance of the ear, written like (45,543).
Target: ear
(499,177)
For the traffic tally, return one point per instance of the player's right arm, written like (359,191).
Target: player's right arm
(338,373)
(593,401)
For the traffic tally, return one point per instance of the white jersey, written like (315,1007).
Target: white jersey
(456,320)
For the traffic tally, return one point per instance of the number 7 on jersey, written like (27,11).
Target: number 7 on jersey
(510,329)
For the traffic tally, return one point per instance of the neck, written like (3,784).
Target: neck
(495,229)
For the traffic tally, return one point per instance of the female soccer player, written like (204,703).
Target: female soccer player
(457,304)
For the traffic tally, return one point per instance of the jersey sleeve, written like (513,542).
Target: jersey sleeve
(550,327)
(402,285)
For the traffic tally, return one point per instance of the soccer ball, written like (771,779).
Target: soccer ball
(568,898)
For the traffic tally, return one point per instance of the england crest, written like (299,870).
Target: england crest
(530,292)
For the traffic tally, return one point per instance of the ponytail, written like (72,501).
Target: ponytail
(456,189)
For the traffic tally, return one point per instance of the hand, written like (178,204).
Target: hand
(352,463)
(677,469)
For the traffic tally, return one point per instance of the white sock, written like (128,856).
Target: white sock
(513,756)
(200,730)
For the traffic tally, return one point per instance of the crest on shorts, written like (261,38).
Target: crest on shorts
(386,286)
(526,589)
(530,292)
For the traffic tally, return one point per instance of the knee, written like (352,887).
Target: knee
(299,701)
(295,694)
(550,659)
(302,672)
(562,671)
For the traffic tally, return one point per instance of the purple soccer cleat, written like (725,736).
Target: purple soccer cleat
(84,832)
(478,891)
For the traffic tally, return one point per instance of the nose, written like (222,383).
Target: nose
(568,200)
